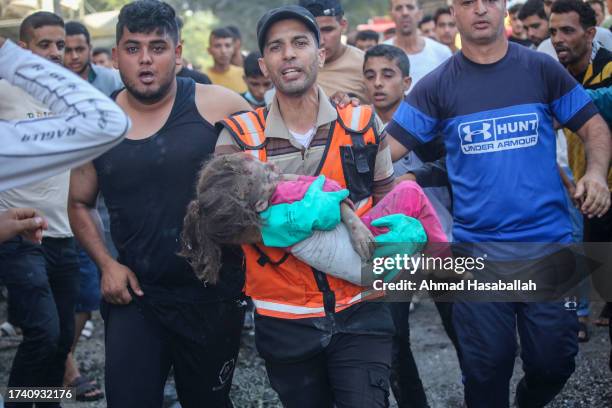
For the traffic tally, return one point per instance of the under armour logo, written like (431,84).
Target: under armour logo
(571,303)
(469,133)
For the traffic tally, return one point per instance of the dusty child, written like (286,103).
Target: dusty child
(235,193)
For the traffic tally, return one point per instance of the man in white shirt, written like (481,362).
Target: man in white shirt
(27,156)
(42,280)
(424,53)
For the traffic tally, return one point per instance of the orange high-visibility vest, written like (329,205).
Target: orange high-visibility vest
(281,285)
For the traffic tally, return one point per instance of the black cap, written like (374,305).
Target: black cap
(291,12)
(322,8)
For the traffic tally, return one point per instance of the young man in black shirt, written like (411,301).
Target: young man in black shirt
(157,314)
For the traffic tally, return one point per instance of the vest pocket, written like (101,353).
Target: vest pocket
(358,167)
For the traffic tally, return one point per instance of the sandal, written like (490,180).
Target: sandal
(8,330)
(87,331)
(583,332)
(86,389)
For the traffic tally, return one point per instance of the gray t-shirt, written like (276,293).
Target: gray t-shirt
(105,80)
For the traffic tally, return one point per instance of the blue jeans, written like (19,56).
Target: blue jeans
(43,283)
(577,236)
(487,340)
(89,287)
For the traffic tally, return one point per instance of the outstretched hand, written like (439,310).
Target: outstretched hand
(26,222)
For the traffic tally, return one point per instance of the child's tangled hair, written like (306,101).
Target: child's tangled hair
(223,212)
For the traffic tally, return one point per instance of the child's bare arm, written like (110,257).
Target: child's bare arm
(361,237)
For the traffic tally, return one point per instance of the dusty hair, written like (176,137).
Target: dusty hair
(222,212)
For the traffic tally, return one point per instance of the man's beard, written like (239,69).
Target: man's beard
(149,98)
(85,66)
(296,92)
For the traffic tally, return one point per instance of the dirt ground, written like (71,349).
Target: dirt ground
(589,387)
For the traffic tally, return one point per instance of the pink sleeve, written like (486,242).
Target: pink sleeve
(291,191)
(409,199)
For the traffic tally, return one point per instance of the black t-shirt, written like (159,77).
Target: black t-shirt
(197,76)
(147,185)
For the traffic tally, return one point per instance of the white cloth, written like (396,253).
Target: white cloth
(429,58)
(40,143)
(602,36)
(303,138)
(331,252)
(85,123)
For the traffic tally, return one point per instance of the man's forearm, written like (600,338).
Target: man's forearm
(88,233)
(432,174)
(597,146)
(398,150)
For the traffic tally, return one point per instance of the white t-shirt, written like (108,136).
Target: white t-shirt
(303,138)
(602,36)
(422,63)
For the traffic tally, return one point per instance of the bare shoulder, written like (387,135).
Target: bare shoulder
(216,102)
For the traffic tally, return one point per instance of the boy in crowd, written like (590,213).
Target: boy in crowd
(386,72)
(535,21)
(221,47)
(366,39)
(518,34)
(255,80)
(102,56)
(446,28)
(427,27)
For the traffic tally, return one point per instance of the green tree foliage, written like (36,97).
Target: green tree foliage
(196,29)
(245,13)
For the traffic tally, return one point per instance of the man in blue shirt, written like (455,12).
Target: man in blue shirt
(495,103)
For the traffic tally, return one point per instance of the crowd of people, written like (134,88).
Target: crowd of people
(255,192)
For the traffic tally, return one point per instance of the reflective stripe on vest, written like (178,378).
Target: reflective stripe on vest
(286,311)
(248,130)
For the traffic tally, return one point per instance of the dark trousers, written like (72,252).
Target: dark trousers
(405,380)
(609,304)
(600,230)
(487,341)
(351,372)
(43,283)
(140,352)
